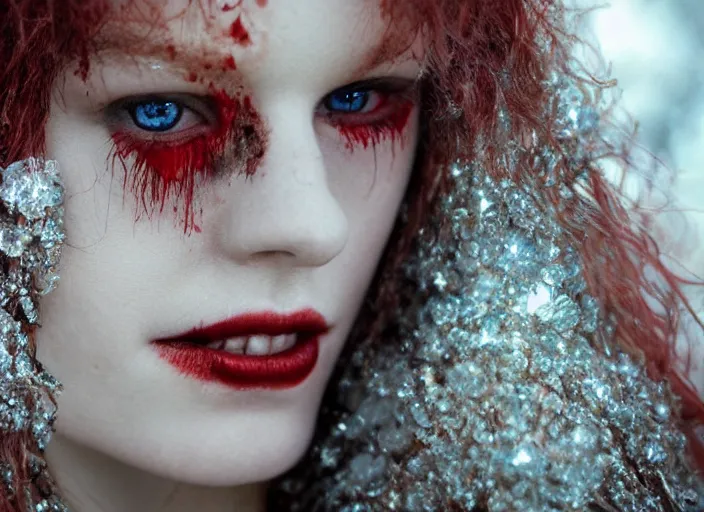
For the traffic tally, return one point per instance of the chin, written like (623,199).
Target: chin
(192,434)
(260,463)
(222,453)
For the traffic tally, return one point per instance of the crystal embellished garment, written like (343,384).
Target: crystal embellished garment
(31,238)
(499,382)
(504,388)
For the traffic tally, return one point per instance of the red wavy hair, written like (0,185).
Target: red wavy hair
(483,57)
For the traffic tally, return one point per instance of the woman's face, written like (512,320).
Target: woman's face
(231,170)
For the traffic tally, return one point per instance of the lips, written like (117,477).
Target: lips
(256,350)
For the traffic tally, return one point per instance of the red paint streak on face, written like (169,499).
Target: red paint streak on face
(367,135)
(171,52)
(229,63)
(239,33)
(164,170)
(262,3)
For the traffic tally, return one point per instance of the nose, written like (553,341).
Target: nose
(286,211)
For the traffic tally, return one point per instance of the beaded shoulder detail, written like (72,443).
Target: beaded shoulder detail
(504,388)
(31,238)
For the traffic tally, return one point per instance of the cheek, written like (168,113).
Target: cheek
(81,150)
(104,267)
(369,183)
(370,186)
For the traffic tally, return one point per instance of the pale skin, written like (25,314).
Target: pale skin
(307,230)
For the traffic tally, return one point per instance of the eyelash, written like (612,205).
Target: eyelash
(386,122)
(168,165)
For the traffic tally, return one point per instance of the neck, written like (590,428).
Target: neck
(93,482)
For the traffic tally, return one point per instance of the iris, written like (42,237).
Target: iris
(156,115)
(350,101)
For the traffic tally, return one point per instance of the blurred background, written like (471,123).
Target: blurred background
(656,50)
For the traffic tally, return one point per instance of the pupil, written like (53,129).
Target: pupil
(347,101)
(156,115)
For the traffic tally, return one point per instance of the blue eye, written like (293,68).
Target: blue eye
(156,115)
(350,101)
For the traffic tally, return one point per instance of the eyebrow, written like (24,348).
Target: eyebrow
(122,42)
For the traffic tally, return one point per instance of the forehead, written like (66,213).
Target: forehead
(252,34)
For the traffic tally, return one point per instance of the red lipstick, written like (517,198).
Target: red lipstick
(193,352)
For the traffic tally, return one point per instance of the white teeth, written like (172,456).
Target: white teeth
(217,345)
(282,343)
(277,343)
(235,345)
(258,346)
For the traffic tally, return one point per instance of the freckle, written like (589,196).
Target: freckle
(229,63)
(171,50)
(262,3)
(208,66)
(192,77)
(239,33)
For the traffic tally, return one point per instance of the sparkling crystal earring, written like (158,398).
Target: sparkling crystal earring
(31,237)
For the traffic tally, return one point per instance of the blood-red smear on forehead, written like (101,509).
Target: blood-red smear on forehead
(171,51)
(229,63)
(238,33)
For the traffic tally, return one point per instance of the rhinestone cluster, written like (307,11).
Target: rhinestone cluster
(504,389)
(31,237)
